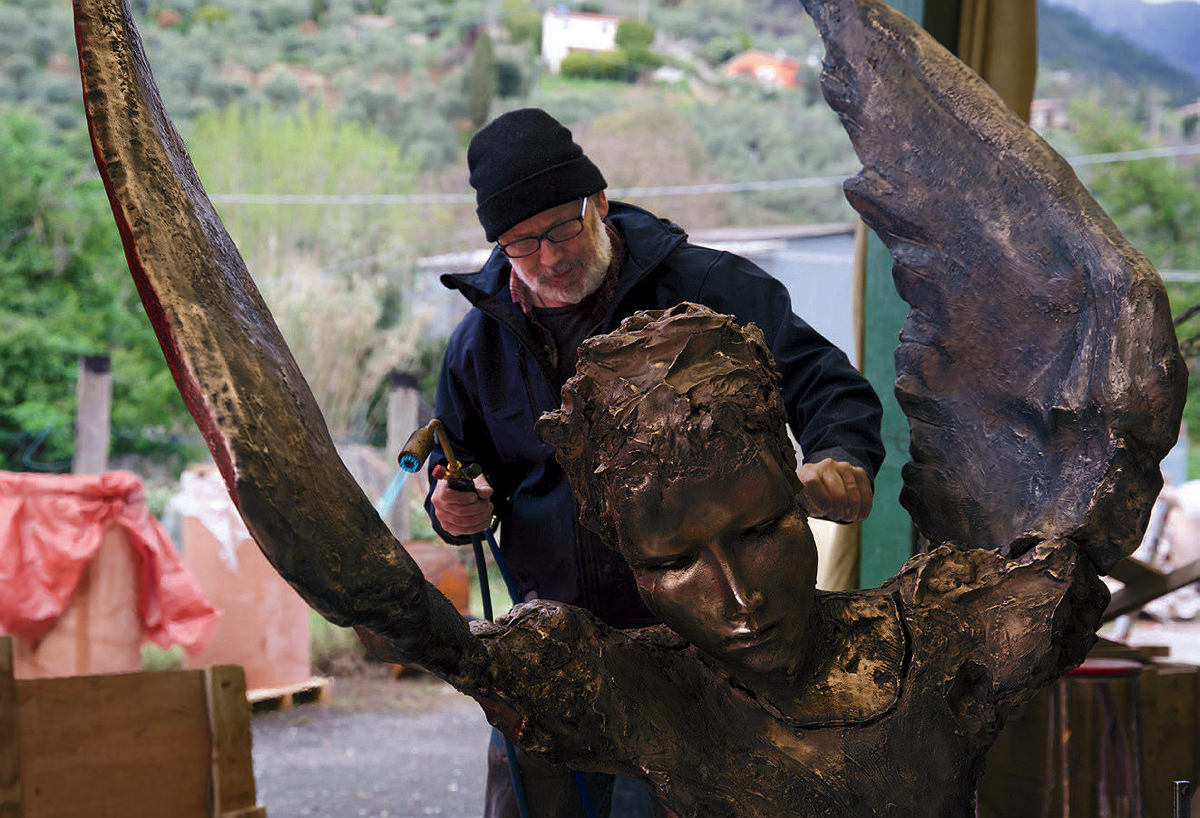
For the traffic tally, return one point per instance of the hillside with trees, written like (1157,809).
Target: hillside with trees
(1069,41)
(1169,30)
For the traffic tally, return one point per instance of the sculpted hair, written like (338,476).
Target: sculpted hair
(669,393)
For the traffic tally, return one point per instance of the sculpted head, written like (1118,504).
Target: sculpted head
(673,435)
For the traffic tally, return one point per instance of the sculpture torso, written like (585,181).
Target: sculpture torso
(912,692)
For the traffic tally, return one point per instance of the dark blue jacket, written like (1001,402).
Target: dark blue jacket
(497,379)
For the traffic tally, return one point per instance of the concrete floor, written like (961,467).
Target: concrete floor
(385,748)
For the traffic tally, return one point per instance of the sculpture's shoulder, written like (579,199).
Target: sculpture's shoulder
(560,627)
(1011,624)
(544,644)
(967,576)
(858,670)
(540,618)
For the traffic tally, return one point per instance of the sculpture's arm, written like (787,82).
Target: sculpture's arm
(1038,365)
(237,376)
(571,689)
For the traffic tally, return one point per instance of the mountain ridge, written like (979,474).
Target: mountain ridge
(1169,30)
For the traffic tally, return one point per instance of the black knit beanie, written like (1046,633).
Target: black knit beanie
(522,163)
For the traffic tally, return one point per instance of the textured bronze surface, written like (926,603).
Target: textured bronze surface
(1040,380)
(690,359)
(1038,366)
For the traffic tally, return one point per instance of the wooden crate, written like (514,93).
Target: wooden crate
(316,689)
(171,743)
(1023,778)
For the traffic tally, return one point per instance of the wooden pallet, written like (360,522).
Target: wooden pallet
(316,689)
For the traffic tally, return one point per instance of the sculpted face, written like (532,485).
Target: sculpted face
(564,273)
(729,563)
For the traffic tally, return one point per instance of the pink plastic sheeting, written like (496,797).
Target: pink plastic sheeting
(51,525)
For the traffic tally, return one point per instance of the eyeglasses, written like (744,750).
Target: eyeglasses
(563,231)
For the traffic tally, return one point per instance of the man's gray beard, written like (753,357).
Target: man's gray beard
(591,274)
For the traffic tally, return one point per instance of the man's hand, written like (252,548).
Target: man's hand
(837,491)
(463,513)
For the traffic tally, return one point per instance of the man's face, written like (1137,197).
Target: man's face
(728,563)
(564,273)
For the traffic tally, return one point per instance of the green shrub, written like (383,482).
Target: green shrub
(524,23)
(642,58)
(282,90)
(65,290)
(634,34)
(211,15)
(598,65)
(514,74)
(156,658)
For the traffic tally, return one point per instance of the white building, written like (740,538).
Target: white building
(1048,115)
(564,31)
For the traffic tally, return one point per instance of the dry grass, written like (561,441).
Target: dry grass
(334,324)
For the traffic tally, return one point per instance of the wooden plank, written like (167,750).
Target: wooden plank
(229,723)
(10,755)
(1132,597)
(1020,763)
(403,418)
(1083,735)
(1105,649)
(1195,728)
(93,410)
(1168,714)
(116,746)
(1134,572)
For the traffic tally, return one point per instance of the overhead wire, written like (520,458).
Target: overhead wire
(750,186)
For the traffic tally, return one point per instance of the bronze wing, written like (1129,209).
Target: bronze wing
(1038,365)
(235,372)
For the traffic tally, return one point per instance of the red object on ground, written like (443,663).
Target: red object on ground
(52,525)
(1100,668)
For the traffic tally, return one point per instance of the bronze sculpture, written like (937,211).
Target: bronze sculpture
(1063,430)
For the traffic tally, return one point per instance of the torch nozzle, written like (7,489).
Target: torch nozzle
(421,442)
(416,449)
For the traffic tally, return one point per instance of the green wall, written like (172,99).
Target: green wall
(887,539)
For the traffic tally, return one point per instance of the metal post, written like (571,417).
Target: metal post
(93,409)
(1183,799)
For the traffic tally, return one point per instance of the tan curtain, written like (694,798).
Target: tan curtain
(998,38)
